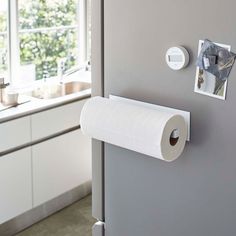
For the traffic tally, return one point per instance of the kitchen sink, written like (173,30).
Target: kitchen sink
(75,86)
(55,90)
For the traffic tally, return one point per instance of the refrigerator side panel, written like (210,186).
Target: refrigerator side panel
(97,90)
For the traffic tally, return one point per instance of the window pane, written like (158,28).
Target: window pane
(89,20)
(3,39)
(48,34)
(47,13)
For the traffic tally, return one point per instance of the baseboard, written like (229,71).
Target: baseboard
(31,217)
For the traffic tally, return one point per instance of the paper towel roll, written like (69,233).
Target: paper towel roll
(154,133)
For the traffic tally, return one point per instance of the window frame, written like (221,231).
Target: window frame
(13,37)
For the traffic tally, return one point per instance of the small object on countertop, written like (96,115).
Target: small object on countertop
(3,86)
(10,97)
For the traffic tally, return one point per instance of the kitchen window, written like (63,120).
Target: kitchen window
(41,39)
(3,39)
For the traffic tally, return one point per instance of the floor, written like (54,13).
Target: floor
(75,220)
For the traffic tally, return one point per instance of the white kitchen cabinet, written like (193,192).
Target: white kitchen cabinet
(15,184)
(55,120)
(40,172)
(15,133)
(59,165)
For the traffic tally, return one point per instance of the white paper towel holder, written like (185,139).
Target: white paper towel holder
(185,114)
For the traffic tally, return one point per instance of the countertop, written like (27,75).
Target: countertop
(36,105)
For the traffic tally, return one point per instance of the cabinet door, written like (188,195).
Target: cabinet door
(59,165)
(15,184)
(15,133)
(55,120)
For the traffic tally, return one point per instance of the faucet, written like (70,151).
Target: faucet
(2,87)
(61,64)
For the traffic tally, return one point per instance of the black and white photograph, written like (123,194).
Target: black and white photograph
(208,84)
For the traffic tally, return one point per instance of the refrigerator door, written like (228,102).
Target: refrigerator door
(195,195)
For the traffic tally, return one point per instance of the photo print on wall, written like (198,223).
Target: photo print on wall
(213,68)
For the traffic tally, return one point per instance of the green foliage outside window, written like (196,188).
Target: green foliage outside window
(3,42)
(3,22)
(44,48)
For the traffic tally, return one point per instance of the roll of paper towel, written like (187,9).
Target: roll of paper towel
(154,133)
